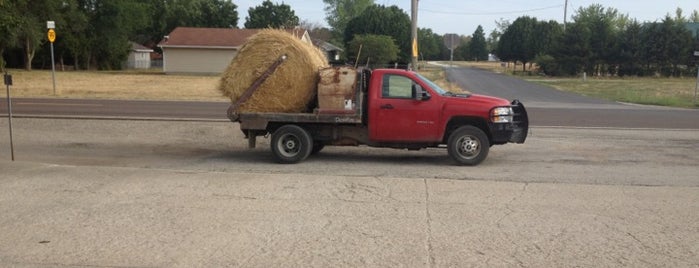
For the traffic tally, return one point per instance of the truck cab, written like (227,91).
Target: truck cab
(393,108)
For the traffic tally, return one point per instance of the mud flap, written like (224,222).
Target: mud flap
(521,123)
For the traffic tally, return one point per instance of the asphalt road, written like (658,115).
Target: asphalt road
(550,107)
(546,106)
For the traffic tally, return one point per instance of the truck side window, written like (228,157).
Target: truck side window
(397,86)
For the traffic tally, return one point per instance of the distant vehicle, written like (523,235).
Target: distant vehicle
(389,108)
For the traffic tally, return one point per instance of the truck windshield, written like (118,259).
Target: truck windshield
(432,85)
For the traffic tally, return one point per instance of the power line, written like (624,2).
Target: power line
(489,13)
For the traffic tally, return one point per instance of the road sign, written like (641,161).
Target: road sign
(451,41)
(52,35)
(696,53)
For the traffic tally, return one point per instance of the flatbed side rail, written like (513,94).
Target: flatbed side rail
(259,121)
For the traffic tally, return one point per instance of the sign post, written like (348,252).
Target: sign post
(451,41)
(51,25)
(8,82)
(696,87)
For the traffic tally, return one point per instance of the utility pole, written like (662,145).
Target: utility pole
(565,15)
(413,27)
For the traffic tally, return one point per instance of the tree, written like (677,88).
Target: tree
(516,43)
(31,24)
(340,12)
(694,17)
(477,48)
(429,44)
(629,50)
(605,23)
(121,19)
(572,52)
(376,50)
(494,36)
(316,30)
(382,20)
(8,29)
(270,15)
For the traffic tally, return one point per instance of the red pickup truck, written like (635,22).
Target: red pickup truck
(392,108)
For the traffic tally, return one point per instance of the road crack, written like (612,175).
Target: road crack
(428,224)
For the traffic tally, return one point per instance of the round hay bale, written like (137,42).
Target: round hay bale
(290,88)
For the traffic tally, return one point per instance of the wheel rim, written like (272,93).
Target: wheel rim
(469,147)
(289,145)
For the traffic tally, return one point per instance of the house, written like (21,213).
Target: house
(207,50)
(139,57)
(332,52)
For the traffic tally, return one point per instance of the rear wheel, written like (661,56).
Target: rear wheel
(291,144)
(468,146)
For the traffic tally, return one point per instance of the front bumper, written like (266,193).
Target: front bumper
(515,131)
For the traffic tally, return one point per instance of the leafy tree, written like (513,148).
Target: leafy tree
(605,23)
(118,18)
(340,12)
(376,50)
(516,43)
(8,29)
(429,44)
(629,50)
(572,53)
(73,42)
(694,17)
(477,48)
(31,24)
(461,53)
(270,15)
(382,20)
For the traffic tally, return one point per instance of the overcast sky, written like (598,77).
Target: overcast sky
(463,16)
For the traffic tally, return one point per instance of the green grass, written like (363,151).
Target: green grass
(675,92)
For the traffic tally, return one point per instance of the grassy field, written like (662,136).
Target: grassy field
(675,92)
(144,85)
(151,85)
(116,85)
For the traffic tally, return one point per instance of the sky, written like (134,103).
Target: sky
(463,16)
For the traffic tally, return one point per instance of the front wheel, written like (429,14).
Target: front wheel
(468,146)
(291,144)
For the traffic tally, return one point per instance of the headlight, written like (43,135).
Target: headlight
(502,115)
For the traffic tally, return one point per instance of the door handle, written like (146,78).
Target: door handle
(386,106)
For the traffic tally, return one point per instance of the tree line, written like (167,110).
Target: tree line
(95,34)
(600,41)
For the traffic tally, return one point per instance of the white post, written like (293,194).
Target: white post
(52,25)
(53,71)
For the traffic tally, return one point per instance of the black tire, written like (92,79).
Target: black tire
(317,147)
(291,144)
(468,146)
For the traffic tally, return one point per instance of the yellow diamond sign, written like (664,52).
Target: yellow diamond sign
(52,35)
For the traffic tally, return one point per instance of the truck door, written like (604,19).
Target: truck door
(396,116)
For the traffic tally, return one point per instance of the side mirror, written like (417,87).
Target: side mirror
(419,93)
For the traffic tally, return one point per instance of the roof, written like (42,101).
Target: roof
(325,46)
(139,48)
(222,38)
